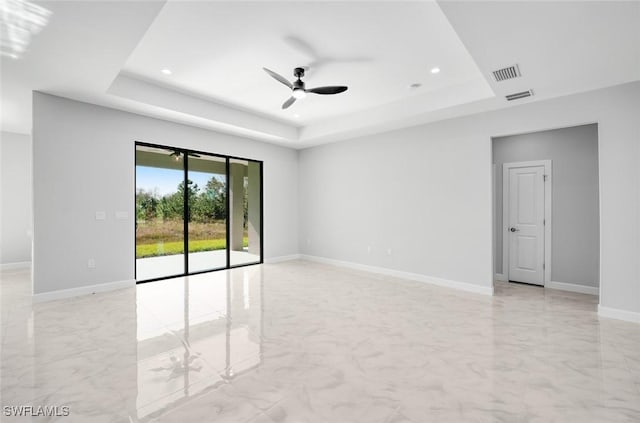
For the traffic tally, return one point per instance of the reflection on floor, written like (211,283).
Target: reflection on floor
(303,342)
(158,267)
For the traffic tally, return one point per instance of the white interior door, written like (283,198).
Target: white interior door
(526,224)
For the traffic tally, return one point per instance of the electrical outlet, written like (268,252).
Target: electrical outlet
(308,241)
(368,249)
(100,215)
(389,252)
(91,263)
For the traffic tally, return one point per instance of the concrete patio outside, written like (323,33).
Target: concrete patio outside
(157,267)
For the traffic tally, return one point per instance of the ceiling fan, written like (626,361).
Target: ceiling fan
(177,154)
(298,90)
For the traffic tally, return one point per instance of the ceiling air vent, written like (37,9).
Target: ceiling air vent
(519,95)
(506,73)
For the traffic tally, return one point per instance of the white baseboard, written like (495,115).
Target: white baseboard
(82,290)
(463,286)
(615,313)
(582,289)
(500,277)
(22,265)
(280,259)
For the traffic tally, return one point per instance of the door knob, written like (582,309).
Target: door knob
(514,230)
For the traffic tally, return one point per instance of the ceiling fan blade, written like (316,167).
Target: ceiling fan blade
(328,90)
(278,77)
(302,46)
(194,155)
(289,102)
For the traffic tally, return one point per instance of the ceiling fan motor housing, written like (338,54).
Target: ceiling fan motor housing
(298,72)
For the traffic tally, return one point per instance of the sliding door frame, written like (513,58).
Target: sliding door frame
(186,210)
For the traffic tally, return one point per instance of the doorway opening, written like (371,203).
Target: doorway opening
(195,212)
(546,209)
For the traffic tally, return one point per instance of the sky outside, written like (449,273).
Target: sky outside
(166,181)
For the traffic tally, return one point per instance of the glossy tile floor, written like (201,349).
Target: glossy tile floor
(301,342)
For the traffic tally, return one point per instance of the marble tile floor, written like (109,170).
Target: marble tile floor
(302,342)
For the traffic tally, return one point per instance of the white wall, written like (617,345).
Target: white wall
(426,192)
(83,158)
(15,198)
(388,191)
(575,234)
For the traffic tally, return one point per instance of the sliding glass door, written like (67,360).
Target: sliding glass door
(245,211)
(195,212)
(159,213)
(207,179)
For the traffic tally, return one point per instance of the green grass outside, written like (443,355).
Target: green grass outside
(177,247)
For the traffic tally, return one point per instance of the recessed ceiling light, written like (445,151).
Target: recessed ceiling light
(415,85)
(435,70)
(296,115)
(166,71)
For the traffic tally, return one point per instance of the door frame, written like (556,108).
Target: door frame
(547,214)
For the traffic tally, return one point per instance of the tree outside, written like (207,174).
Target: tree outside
(159,219)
